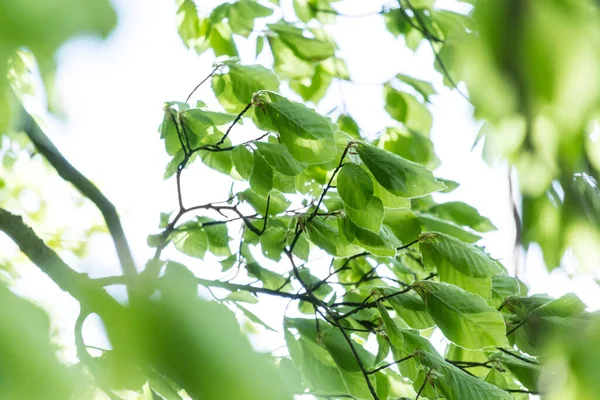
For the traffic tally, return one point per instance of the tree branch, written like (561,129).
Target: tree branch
(80,286)
(85,186)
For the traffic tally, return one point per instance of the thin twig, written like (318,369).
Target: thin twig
(390,364)
(203,80)
(510,353)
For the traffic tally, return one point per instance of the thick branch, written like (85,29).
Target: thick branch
(87,188)
(90,295)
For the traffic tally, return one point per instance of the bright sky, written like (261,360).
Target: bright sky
(112,93)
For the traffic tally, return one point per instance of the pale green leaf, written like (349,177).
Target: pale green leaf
(459,263)
(368,217)
(261,179)
(355,187)
(249,79)
(463,317)
(279,158)
(399,176)
(307,135)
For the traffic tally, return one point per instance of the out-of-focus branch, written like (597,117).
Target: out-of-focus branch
(85,186)
(90,295)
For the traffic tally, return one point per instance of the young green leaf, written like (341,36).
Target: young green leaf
(261,179)
(243,161)
(305,48)
(249,79)
(271,280)
(279,158)
(463,317)
(411,308)
(192,242)
(405,108)
(355,186)
(277,204)
(454,383)
(307,135)
(328,238)
(272,242)
(434,224)
(462,214)
(459,263)
(369,217)
(424,88)
(396,174)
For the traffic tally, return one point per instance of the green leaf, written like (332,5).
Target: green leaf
(404,224)
(277,204)
(405,342)
(376,243)
(197,121)
(228,263)
(279,158)
(453,383)
(412,145)
(261,179)
(305,48)
(342,354)
(527,372)
(459,263)
(327,238)
(217,160)
(399,176)
(504,286)
(252,317)
(347,124)
(434,224)
(272,242)
(424,88)
(242,296)
(411,308)
(369,217)
(302,247)
(389,200)
(271,280)
(242,14)
(457,353)
(286,63)
(189,23)
(355,187)
(462,214)
(218,237)
(463,317)
(316,90)
(243,161)
(504,381)
(307,135)
(405,108)
(221,41)
(249,79)
(192,242)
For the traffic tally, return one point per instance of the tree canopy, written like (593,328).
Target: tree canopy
(385,291)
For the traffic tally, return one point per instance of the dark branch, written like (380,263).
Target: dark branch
(200,84)
(510,353)
(390,364)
